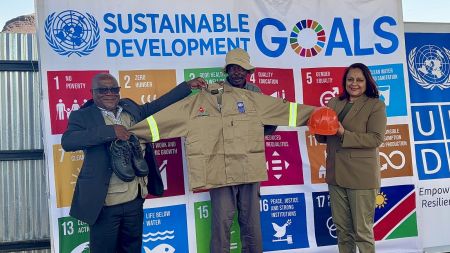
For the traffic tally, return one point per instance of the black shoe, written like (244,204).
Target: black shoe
(137,158)
(121,160)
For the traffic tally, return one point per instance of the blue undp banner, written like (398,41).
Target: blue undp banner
(429,82)
(429,66)
(428,59)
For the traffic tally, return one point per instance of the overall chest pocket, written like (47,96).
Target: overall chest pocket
(240,134)
(240,127)
(202,134)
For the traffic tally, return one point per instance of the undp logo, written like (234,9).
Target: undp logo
(71,32)
(307,38)
(430,66)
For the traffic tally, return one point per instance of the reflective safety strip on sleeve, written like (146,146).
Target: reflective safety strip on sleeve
(292,114)
(153,128)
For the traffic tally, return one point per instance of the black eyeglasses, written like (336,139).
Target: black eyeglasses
(112,90)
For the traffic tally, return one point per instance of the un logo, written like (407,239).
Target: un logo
(71,32)
(430,66)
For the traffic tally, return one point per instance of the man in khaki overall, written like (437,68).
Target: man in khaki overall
(224,130)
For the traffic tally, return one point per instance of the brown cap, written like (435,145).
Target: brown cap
(239,57)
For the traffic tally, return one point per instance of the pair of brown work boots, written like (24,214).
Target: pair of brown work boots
(127,159)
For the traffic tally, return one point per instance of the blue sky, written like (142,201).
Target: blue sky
(426,11)
(10,9)
(413,10)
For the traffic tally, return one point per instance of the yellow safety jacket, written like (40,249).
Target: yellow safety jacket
(224,132)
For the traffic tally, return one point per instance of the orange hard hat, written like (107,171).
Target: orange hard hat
(323,121)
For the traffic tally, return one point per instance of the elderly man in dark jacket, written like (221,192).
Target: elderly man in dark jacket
(113,208)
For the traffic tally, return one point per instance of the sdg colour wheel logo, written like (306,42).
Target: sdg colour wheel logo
(316,39)
(71,32)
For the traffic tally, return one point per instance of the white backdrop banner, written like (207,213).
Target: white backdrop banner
(300,49)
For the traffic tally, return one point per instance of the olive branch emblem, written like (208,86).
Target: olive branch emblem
(419,79)
(55,44)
